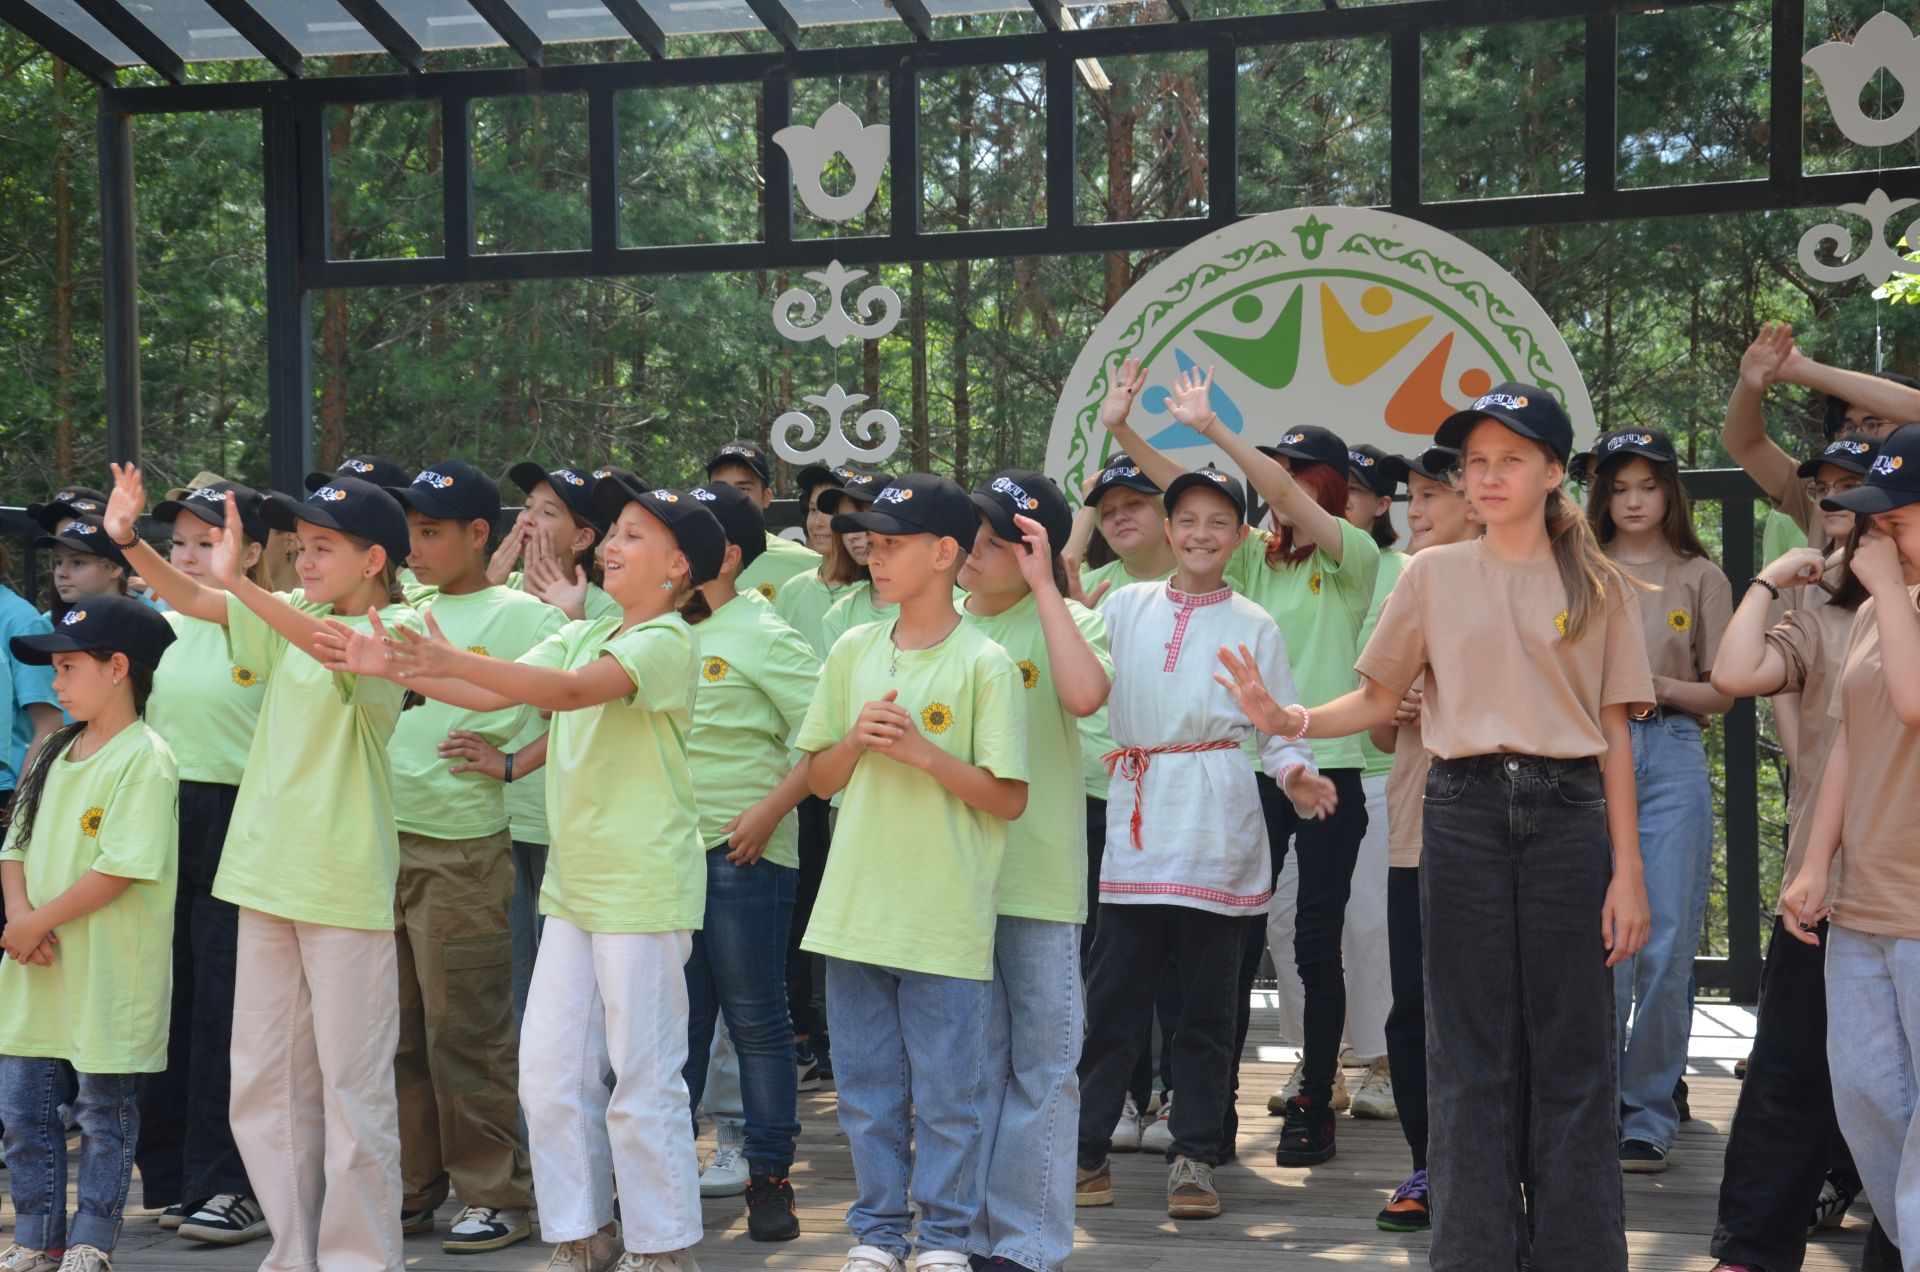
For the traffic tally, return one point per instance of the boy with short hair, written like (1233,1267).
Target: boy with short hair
(743,465)
(920,718)
(457,1068)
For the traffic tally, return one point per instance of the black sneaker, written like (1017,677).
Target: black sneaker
(1306,1138)
(173,1216)
(815,1070)
(1638,1157)
(1680,1100)
(770,1212)
(228,1219)
(413,1222)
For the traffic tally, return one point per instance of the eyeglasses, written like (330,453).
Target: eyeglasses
(1819,490)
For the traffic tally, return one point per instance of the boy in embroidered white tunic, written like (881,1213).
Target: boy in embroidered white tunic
(1186,862)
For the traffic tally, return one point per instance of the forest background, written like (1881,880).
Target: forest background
(656,372)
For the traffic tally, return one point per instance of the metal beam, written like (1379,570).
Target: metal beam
(1601,148)
(511,27)
(1785,86)
(456,179)
(776,195)
(58,40)
(903,145)
(1223,133)
(1062,137)
(1050,14)
(262,34)
(915,16)
(640,25)
(386,29)
(289,316)
(1403,131)
(119,287)
(138,36)
(779,23)
(1181,11)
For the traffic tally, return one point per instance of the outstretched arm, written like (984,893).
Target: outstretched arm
(1745,430)
(432,665)
(189,596)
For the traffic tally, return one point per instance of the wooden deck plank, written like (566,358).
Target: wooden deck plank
(1276,1220)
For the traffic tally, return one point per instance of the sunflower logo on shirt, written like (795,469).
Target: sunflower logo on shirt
(244,677)
(768,590)
(937,718)
(1680,621)
(90,822)
(1029,674)
(1560,622)
(714,669)
(1313,583)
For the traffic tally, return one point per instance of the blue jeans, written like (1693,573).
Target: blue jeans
(1873,1050)
(909,1063)
(1031,1098)
(523,917)
(36,1146)
(739,968)
(1676,846)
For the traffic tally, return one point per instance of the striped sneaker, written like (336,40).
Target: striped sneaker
(226,1219)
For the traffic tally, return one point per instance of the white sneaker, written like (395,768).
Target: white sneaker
(866,1258)
(678,1261)
(941,1259)
(1342,1098)
(1127,1131)
(86,1258)
(1374,1099)
(1349,1058)
(1157,1135)
(19,1258)
(726,1174)
(225,1219)
(478,1229)
(597,1253)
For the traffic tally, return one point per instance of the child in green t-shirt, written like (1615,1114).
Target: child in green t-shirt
(626,882)
(310,859)
(88,873)
(1016,585)
(920,719)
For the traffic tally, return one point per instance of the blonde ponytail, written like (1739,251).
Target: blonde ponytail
(1589,574)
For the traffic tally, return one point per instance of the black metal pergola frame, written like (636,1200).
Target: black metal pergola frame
(293,113)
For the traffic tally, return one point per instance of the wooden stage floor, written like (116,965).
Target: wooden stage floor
(1276,1220)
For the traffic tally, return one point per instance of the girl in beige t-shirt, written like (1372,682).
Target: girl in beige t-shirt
(1530,643)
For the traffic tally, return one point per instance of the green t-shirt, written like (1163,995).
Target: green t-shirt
(312,837)
(1379,763)
(1044,875)
(771,570)
(204,704)
(855,606)
(911,881)
(428,797)
(626,854)
(1096,739)
(527,797)
(1319,606)
(757,678)
(803,604)
(1779,535)
(103,1005)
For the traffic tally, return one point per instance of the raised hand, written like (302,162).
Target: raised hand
(1192,400)
(1036,554)
(1075,590)
(125,504)
(1249,688)
(512,544)
(1128,379)
(1760,364)
(547,580)
(228,565)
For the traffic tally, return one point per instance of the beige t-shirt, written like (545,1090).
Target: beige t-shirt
(1499,677)
(1407,796)
(1684,620)
(1811,641)
(1878,890)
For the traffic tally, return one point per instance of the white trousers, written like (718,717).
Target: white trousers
(316,1021)
(1363,941)
(614,1002)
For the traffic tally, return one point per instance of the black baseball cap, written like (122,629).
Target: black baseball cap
(694,527)
(918,503)
(738,515)
(1892,481)
(859,487)
(351,506)
(1022,492)
(614,470)
(118,624)
(1836,413)
(742,451)
(1527,409)
(1435,463)
(451,490)
(1120,472)
(1647,443)
(1377,470)
(86,533)
(813,476)
(68,501)
(209,504)
(377,469)
(1208,478)
(574,483)
(1311,443)
(1855,454)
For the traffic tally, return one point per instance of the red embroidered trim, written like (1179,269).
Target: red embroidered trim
(1188,602)
(1214,895)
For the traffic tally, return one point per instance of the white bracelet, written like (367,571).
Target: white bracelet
(1305,720)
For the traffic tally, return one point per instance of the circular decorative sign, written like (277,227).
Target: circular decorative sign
(1375,326)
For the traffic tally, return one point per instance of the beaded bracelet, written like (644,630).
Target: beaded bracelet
(1305,720)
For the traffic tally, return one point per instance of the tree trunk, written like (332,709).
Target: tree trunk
(333,320)
(1120,126)
(963,286)
(62,280)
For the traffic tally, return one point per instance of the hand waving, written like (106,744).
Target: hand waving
(1192,401)
(1128,379)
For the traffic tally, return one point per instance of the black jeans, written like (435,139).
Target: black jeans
(1134,944)
(185,1151)
(1521,1054)
(805,979)
(1096,854)
(1328,850)
(1407,1020)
